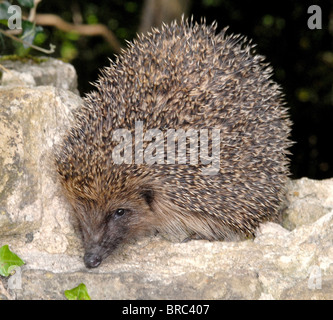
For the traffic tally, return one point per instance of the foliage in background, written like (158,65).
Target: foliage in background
(23,40)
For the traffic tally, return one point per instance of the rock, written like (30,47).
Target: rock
(297,265)
(31,121)
(289,261)
(307,200)
(43,71)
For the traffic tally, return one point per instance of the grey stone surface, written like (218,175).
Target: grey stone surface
(307,200)
(31,121)
(48,72)
(278,264)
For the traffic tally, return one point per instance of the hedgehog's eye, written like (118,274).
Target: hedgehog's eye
(116,214)
(119,213)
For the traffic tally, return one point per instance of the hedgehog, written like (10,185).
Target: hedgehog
(215,96)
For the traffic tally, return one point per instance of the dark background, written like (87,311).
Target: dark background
(302,58)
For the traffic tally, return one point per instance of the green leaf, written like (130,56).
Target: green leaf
(4,15)
(26,3)
(78,293)
(8,261)
(4,22)
(29,33)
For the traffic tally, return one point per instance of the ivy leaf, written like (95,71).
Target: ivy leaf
(26,3)
(8,261)
(29,33)
(3,21)
(78,293)
(4,15)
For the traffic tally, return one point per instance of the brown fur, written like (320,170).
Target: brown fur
(180,77)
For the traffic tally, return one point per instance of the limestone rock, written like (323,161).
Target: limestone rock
(48,72)
(31,121)
(307,200)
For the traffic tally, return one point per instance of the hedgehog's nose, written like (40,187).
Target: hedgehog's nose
(92,260)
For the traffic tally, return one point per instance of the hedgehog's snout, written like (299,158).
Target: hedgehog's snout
(92,260)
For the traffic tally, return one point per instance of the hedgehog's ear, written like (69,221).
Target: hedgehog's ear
(148,195)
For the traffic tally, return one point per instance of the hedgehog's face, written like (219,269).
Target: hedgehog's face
(106,225)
